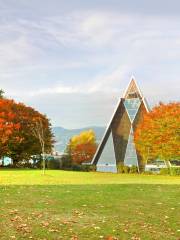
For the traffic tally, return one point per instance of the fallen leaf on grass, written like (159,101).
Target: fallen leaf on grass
(111,238)
(45,224)
(14,211)
(38,215)
(53,230)
(12,237)
(66,222)
(16,218)
(78,213)
(74,238)
(23,228)
(135,238)
(97,228)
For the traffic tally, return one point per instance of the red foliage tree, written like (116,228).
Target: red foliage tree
(17,139)
(83,153)
(83,147)
(9,128)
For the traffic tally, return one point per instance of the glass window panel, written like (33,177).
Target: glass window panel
(107,160)
(132,106)
(131,155)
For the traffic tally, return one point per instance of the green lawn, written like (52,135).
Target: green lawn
(76,205)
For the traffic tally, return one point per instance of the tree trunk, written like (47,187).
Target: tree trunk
(44,164)
(168,164)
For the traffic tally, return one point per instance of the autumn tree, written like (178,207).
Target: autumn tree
(21,143)
(82,147)
(158,135)
(9,128)
(30,145)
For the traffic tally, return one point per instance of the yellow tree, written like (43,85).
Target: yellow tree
(158,135)
(82,147)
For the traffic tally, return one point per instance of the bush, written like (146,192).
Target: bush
(38,164)
(120,168)
(175,171)
(141,168)
(24,164)
(164,171)
(83,168)
(91,168)
(66,162)
(133,169)
(53,164)
(76,167)
(126,169)
(123,169)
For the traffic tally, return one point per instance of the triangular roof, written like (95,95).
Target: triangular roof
(133,90)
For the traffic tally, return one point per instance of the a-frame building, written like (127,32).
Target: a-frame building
(117,145)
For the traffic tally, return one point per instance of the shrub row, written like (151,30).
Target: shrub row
(68,165)
(173,171)
(126,169)
(83,168)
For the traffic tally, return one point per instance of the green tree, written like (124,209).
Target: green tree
(1,94)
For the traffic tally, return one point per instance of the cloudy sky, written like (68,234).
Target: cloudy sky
(73,59)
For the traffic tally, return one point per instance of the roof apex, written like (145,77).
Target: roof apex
(132,88)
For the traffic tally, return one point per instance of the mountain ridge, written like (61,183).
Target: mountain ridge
(63,135)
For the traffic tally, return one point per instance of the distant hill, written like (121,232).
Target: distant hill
(62,135)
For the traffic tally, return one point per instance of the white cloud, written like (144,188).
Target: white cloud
(104,83)
(87,52)
(17,52)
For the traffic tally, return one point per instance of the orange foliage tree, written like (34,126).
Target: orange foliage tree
(83,147)
(30,145)
(9,128)
(17,139)
(158,135)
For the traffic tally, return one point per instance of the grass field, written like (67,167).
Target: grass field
(77,205)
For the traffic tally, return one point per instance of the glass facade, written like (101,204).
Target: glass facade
(107,160)
(132,106)
(118,143)
(131,155)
